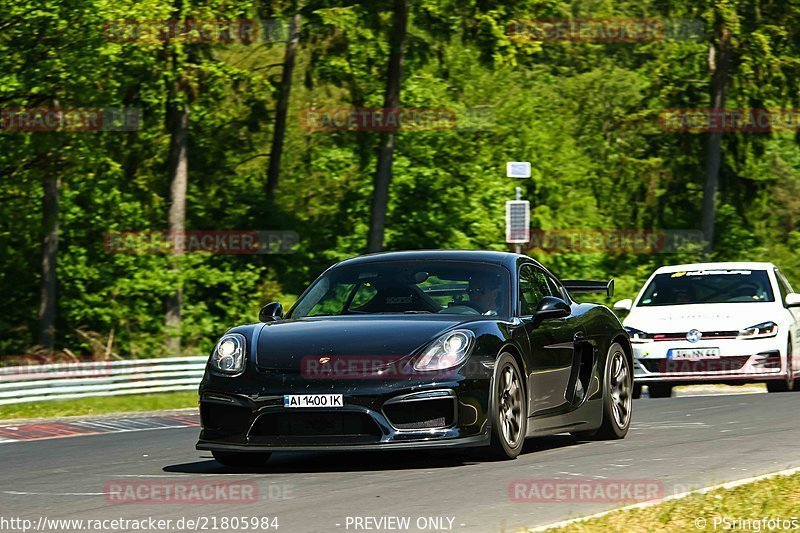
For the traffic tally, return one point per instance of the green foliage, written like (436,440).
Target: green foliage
(586,114)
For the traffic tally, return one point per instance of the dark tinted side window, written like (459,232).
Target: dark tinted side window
(533,286)
(555,288)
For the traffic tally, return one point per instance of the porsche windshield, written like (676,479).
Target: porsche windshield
(707,287)
(411,287)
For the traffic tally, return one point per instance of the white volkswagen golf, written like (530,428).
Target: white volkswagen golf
(728,323)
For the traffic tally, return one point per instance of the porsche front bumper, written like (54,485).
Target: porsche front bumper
(248,413)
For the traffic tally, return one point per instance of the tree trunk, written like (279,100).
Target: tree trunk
(179,182)
(273,172)
(383,176)
(47,301)
(718,58)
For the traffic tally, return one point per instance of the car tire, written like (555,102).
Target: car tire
(617,398)
(659,390)
(637,391)
(777,386)
(240,458)
(790,384)
(509,409)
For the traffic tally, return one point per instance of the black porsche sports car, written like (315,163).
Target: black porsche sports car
(416,350)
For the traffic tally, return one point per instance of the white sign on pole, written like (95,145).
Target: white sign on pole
(518,221)
(518,169)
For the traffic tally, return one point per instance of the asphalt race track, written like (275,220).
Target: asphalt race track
(679,443)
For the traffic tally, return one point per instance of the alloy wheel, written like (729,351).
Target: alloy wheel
(510,405)
(620,388)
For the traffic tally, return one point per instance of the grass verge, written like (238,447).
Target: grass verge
(100,405)
(776,498)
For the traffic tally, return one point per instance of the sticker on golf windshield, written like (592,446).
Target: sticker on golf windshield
(716,273)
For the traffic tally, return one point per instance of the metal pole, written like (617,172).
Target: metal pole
(518,247)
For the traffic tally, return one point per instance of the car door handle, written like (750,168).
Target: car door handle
(580,336)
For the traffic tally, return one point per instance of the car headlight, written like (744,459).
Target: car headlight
(759,331)
(638,335)
(228,355)
(447,351)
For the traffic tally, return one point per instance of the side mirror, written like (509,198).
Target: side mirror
(793,299)
(552,307)
(624,305)
(271,312)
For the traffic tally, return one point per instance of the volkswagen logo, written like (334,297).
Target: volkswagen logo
(324,360)
(694,336)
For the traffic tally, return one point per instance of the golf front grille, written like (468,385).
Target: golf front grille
(688,366)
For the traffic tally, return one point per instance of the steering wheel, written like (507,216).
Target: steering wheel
(460,309)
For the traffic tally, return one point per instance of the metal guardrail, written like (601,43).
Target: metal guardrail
(62,381)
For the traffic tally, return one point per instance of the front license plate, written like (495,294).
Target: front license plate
(313,400)
(693,354)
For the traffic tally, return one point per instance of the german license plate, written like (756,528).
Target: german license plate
(693,354)
(299,401)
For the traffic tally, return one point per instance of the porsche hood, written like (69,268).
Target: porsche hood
(283,345)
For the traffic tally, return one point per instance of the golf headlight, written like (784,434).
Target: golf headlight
(638,335)
(447,351)
(228,355)
(759,331)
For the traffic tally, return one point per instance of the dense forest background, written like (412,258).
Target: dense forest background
(224,144)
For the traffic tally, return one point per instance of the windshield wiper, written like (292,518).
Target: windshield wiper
(417,312)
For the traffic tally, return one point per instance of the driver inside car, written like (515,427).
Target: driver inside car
(484,294)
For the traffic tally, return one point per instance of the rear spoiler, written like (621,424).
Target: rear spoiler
(580,285)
